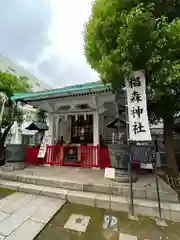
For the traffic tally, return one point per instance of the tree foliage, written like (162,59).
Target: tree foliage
(10,84)
(122,36)
(41,116)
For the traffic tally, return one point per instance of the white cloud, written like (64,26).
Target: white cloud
(67,39)
(47,38)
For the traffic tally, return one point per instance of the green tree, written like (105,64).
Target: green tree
(41,116)
(10,111)
(122,36)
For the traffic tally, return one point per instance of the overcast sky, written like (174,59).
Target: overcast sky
(46,36)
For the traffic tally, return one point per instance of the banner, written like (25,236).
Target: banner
(137,108)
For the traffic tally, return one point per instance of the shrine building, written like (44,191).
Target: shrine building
(80,116)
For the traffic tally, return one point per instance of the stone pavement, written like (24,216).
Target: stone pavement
(23,216)
(170,211)
(91,180)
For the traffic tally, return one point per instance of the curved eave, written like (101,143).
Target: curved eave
(29,97)
(48,97)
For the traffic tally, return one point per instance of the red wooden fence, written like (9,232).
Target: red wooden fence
(87,156)
(84,156)
(32,156)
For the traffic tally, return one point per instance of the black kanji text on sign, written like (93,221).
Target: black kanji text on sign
(136,111)
(135,82)
(138,128)
(136,97)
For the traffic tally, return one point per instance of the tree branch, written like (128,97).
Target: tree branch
(12,117)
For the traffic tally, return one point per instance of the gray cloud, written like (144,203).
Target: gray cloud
(24,38)
(24,28)
(60,72)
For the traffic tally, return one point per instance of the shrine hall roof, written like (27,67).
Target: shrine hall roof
(69,90)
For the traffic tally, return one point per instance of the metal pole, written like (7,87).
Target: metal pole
(130,182)
(129,163)
(155,151)
(158,196)
(130,156)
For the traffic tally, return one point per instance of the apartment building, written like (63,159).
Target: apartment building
(19,133)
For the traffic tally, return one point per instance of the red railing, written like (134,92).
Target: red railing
(32,156)
(85,156)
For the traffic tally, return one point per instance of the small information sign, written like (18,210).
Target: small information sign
(110,222)
(109,173)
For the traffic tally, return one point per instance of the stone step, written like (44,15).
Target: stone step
(170,211)
(147,193)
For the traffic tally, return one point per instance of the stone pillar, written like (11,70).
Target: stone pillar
(61,126)
(15,157)
(69,128)
(96,134)
(66,124)
(50,132)
(57,128)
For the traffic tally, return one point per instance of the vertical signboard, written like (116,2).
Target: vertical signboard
(137,108)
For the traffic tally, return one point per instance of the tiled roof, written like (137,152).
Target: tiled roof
(96,86)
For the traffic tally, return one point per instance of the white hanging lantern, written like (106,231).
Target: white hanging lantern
(76,117)
(85,117)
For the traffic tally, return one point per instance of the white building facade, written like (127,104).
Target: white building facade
(19,133)
(6,65)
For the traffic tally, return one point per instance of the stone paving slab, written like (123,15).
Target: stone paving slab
(27,231)
(127,237)
(44,212)
(2,237)
(18,202)
(3,215)
(77,223)
(15,220)
(29,218)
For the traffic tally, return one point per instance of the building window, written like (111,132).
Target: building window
(28,139)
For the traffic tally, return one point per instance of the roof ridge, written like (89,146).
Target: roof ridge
(67,89)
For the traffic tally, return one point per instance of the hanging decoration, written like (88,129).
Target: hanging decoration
(85,117)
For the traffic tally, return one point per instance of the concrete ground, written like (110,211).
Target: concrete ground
(89,225)
(82,175)
(91,180)
(95,177)
(23,216)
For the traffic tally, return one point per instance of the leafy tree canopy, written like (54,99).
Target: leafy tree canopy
(10,84)
(41,115)
(122,36)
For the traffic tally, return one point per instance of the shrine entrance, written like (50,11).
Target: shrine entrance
(82,129)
